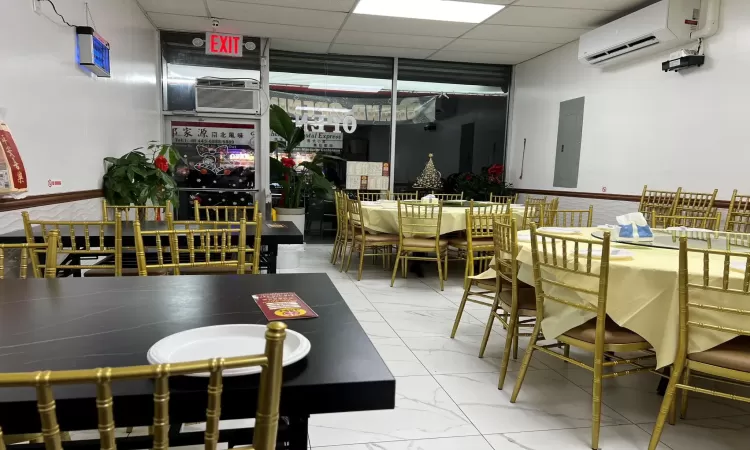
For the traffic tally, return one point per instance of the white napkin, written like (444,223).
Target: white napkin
(429,199)
(614,253)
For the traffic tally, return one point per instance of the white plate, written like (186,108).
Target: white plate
(614,253)
(559,230)
(224,341)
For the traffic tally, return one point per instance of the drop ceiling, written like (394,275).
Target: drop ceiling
(520,31)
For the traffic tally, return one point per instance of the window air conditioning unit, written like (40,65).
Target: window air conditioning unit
(663,25)
(221,95)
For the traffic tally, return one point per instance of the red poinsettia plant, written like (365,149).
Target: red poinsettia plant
(482,185)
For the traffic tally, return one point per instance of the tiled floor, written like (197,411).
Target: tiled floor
(447,398)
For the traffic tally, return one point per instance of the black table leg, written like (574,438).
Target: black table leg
(273,252)
(663,382)
(298,433)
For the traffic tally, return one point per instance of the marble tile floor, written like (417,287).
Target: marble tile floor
(447,398)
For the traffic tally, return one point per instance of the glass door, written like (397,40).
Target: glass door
(219,161)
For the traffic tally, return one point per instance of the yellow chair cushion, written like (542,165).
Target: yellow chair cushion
(734,354)
(462,242)
(423,243)
(377,238)
(613,333)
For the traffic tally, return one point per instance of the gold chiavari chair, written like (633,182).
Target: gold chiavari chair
(577,218)
(379,244)
(202,250)
(738,216)
(532,199)
(340,238)
(477,244)
(371,196)
(225,213)
(554,270)
(252,253)
(513,300)
(552,205)
(449,197)
(707,222)
(403,196)
(25,252)
(533,212)
(504,198)
(80,234)
(130,213)
(696,204)
(266,417)
(701,309)
(663,203)
(419,232)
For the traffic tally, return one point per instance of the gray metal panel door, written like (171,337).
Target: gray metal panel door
(568,152)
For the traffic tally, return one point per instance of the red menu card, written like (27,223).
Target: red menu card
(283,306)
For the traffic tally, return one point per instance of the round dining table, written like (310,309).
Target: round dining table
(643,289)
(382,217)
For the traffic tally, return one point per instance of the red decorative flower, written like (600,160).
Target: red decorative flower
(288,162)
(161,163)
(197,200)
(204,171)
(496,170)
(227,171)
(468,177)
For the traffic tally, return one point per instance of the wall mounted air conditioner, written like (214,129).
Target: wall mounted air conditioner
(223,95)
(661,26)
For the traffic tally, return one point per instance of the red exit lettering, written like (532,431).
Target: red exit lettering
(223,44)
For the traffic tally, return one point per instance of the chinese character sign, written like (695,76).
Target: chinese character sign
(12,172)
(213,133)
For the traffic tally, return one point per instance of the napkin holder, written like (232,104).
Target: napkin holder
(430,199)
(633,227)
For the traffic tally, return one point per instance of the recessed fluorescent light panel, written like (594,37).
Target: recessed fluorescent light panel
(446,10)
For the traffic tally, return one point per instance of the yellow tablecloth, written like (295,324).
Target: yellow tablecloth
(384,219)
(643,297)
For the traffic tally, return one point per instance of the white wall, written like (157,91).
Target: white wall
(63,119)
(641,125)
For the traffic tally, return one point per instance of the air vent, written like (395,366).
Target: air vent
(623,49)
(227,96)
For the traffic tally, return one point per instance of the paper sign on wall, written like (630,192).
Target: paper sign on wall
(12,172)
(365,175)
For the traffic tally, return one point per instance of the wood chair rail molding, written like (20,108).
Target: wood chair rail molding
(721,204)
(32,201)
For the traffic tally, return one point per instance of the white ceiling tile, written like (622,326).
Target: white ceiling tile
(397,25)
(274,14)
(189,23)
(525,34)
(187,7)
(391,40)
(292,45)
(551,17)
(372,50)
(326,5)
(507,47)
(478,57)
(610,5)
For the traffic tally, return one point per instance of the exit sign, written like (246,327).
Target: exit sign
(223,44)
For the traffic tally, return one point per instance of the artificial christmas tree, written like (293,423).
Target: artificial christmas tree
(430,178)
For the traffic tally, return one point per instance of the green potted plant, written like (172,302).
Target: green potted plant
(297,180)
(136,179)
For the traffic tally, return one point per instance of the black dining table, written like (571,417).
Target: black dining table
(80,323)
(273,234)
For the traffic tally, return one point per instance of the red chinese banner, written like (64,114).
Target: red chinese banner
(12,171)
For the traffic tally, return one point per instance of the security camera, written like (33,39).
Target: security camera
(214,22)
